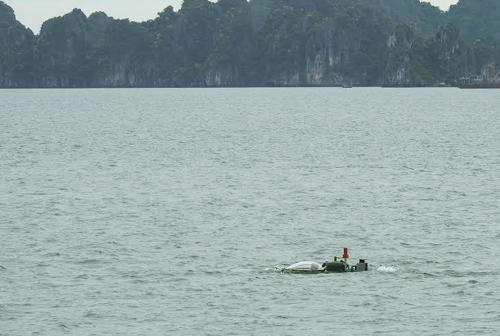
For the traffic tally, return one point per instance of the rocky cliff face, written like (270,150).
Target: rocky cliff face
(307,47)
(451,52)
(236,43)
(16,50)
(62,44)
(119,64)
(235,49)
(398,68)
(491,73)
(414,61)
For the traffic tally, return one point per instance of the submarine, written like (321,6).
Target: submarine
(336,265)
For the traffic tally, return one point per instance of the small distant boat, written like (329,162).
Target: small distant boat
(346,86)
(480,85)
(476,82)
(335,266)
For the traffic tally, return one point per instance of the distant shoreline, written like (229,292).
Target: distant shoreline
(229,87)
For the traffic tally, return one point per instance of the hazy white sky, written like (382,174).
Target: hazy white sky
(32,13)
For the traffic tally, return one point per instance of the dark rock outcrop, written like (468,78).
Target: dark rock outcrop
(16,51)
(237,43)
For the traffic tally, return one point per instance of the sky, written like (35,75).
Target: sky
(32,13)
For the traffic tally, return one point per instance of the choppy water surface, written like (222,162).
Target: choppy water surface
(164,212)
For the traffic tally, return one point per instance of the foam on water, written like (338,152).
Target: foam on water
(387,269)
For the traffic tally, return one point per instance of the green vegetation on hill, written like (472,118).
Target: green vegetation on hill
(17,67)
(423,15)
(256,43)
(476,18)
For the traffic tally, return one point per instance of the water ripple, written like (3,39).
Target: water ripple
(158,212)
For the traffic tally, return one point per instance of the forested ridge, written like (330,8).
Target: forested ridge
(258,43)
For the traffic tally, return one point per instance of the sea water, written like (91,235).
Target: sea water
(171,211)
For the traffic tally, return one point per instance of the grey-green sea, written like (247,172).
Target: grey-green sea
(172,211)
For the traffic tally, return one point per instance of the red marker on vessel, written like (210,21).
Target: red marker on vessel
(346,253)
